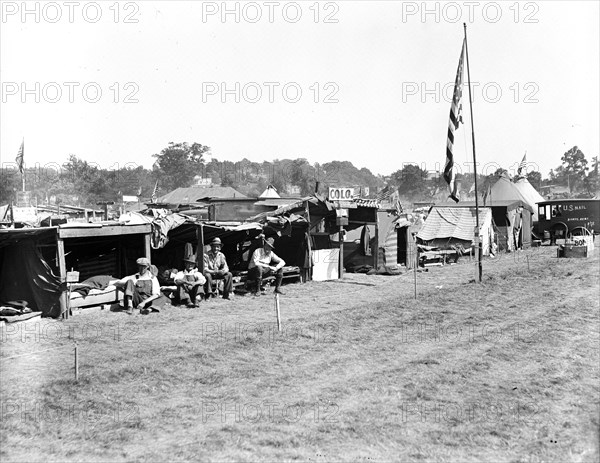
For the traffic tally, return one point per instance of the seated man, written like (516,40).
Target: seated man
(261,266)
(215,268)
(189,281)
(166,280)
(140,289)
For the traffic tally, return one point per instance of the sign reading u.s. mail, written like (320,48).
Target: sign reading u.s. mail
(341,194)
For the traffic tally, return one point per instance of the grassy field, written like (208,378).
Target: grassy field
(506,370)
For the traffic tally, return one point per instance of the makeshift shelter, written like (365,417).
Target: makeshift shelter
(24,272)
(399,245)
(449,225)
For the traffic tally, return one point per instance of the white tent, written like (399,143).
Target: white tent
(530,194)
(270,192)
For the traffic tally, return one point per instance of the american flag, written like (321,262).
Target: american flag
(398,207)
(385,194)
(523,165)
(455,120)
(20,155)
(154,192)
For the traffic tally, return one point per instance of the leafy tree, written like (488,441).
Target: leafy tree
(535,178)
(592,181)
(10,181)
(574,167)
(411,181)
(178,164)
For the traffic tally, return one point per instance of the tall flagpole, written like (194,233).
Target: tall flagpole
(477,231)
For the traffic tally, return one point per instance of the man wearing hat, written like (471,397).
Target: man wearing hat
(141,288)
(189,281)
(265,262)
(216,268)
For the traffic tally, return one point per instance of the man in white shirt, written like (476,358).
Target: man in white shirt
(265,262)
(216,268)
(141,288)
(189,281)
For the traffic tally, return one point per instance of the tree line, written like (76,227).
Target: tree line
(79,182)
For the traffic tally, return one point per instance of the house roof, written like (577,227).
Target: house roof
(192,194)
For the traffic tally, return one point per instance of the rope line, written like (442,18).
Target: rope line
(37,352)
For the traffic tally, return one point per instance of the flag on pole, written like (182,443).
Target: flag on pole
(154,192)
(398,207)
(523,165)
(455,120)
(385,194)
(20,155)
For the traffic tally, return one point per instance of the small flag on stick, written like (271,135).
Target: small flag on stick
(523,165)
(385,194)
(154,192)
(455,120)
(20,155)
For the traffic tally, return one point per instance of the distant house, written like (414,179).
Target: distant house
(202,181)
(293,190)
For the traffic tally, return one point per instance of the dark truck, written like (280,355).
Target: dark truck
(559,218)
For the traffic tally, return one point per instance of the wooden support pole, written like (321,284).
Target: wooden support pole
(147,247)
(416,262)
(62,268)
(200,247)
(376,250)
(308,275)
(341,259)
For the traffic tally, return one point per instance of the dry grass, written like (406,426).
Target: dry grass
(503,371)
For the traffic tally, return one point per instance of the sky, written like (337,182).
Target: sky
(367,82)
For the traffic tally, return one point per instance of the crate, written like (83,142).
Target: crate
(572,251)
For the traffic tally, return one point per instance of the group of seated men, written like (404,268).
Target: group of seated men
(192,285)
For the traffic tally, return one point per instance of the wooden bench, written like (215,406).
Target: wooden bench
(241,281)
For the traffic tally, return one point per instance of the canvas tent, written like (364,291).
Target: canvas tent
(454,224)
(506,190)
(530,194)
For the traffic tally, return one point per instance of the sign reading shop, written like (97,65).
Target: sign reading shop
(341,194)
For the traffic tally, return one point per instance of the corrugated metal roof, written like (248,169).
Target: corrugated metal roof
(193,194)
(367,202)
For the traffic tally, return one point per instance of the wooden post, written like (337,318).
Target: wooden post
(416,264)
(62,268)
(377,242)
(200,247)
(76,364)
(277,312)
(309,269)
(341,259)
(147,247)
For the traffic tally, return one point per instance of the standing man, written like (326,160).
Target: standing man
(216,268)
(141,288)
(189,281)
(265,262)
